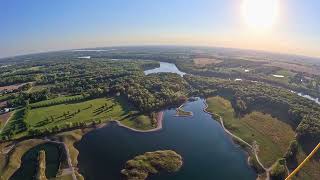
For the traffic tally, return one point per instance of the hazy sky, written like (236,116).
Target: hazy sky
(41,25)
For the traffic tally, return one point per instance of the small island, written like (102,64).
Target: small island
(182,113)
(151,163)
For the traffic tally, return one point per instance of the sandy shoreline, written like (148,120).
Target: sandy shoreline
(159,124)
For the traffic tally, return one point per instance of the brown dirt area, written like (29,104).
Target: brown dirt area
(205,61)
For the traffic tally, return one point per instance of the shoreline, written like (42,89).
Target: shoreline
(253,147)
(159,124)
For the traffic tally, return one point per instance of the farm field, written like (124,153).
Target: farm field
(205,61)
(272,135)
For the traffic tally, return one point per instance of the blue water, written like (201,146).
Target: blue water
(165,67)
(208,152)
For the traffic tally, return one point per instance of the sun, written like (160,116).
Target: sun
(260,14)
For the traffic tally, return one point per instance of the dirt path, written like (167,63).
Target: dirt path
(254,148)
(10,115)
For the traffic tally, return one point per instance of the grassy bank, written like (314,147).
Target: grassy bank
(272,135)
(181,112)
(87,111)
(11,162)
(47,118)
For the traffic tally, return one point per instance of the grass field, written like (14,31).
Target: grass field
(57,100)
(272,135)
(38,88)
(205,61)
(286,73)
(141,122)
(15,124)
(54,118)
(98,109)
(4,118)
(4,97)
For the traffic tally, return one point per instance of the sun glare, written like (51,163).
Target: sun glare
(260,14)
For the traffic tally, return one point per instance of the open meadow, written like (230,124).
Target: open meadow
(272,135)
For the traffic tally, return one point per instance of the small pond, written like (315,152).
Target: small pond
(54,155)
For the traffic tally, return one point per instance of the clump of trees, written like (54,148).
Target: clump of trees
(278,170)
(153,92)
(151,163)
(24,98)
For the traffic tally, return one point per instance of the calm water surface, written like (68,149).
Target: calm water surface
(208,153)
(54,155)
(165,67)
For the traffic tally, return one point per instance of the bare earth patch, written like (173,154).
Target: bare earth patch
(205,61)
(11,87)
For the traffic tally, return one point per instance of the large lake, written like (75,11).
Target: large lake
(165,67)
(208,152)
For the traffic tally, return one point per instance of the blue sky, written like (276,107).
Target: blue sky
(28,26)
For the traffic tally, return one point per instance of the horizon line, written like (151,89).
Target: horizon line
(163,45)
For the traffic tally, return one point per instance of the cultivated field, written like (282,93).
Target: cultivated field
(205,61)
(296,67)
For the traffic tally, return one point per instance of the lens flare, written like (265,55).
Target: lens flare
(260,14)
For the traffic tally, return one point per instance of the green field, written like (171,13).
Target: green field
(102,109)
(57,100)
(38,88)
(141,122)
(272,135)
(4,97)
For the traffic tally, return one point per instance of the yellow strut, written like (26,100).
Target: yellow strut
(303,162)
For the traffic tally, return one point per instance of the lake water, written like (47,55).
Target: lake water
(165,67)
(208,152)
(309,97)
(54,155)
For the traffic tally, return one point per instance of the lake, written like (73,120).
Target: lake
(54,156)
(208,152)
(165,67)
